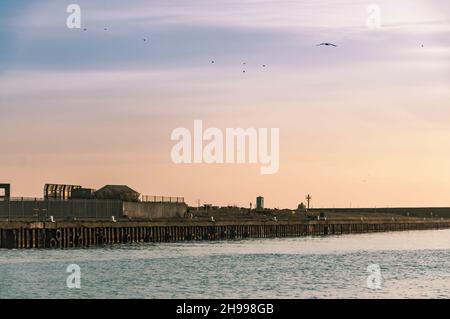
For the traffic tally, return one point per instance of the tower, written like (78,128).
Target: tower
(308,199)
(259,203)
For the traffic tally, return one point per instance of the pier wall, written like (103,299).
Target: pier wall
(402,211)
(154,210)
(38,209)
(77,234)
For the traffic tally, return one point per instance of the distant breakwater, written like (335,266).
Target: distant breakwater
(84,234)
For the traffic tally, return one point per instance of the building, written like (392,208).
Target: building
(259,203)
(63,202)
(83,193)
(59,191)
(117,192)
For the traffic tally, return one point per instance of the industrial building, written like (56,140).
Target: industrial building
(112,192)
(62,201)
(117,192)
(58,191)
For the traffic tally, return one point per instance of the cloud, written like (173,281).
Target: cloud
(236,13)
(99,99)
(191,33)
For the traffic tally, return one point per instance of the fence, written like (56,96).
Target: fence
(39,209)
(161,199)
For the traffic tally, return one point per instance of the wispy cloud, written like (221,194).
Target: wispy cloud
(106,102)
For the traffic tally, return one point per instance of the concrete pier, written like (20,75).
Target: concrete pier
(83,234)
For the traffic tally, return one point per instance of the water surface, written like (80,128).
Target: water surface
(414,264)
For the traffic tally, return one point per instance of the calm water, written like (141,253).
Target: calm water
(413,264)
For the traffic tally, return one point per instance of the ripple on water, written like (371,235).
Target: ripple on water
(413,264)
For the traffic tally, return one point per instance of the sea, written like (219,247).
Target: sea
(408,264)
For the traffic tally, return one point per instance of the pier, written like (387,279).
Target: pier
(84,234)
(71,216)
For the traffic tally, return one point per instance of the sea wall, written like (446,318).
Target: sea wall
(401,211)
(83,234)
(154,210)
(39,210)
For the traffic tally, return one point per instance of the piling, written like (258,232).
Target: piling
(84,234)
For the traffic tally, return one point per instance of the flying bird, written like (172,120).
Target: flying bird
(327,44)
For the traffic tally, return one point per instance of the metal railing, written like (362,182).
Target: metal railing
(161,199)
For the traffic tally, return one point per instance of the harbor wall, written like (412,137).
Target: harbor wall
(401,211)
(154,210)
(84,234)
(39,209)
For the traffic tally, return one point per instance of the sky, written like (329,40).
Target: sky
(363,124)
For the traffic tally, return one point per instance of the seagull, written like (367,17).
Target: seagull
(85,29)
(105,29)
(212,61)
(144,39)
(327,44)
(263,65)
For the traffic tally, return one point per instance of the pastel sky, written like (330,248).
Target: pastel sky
(364,124)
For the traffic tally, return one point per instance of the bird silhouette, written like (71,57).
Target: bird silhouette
(327,44)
